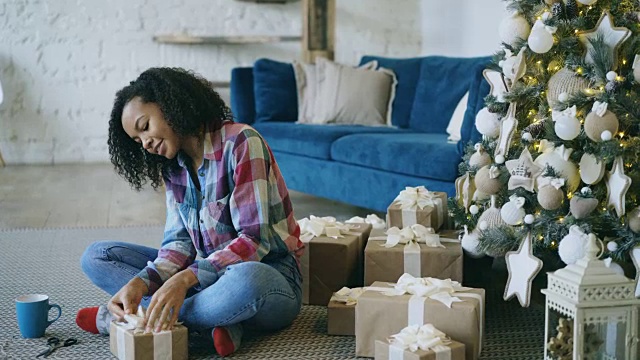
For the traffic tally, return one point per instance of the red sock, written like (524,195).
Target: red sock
(222,342)
(86,319)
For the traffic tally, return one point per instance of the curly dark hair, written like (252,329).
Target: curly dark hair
(187,101)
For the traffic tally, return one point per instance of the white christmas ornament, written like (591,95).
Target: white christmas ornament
(512,212)
(523,267)
(611,75)
(612,36)
(591,169)
(465,188)
(474,209)
(529,219)
(508,127)
(606,135)
(470,243)
(541,37)
(513,27)
(498,84)
(500,159)
(527,137)
(488,123)
(558,158)
(523,171)
(573,247)
(587,2)
(514,67)
(567,125)
(612,246)
(491,216)
(613,266)
(483,225)
(636,68)
(617,185)
(635,257)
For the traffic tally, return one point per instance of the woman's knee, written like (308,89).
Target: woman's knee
(93,254)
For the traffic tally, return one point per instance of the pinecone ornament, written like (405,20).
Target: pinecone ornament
(557,10)
(611,86)
(537,129)
(571,9)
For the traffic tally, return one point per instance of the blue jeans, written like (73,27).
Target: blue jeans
(265,296)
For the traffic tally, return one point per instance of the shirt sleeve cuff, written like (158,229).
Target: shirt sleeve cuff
(206,273)
(151,278)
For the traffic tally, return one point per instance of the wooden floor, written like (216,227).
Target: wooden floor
(94,195)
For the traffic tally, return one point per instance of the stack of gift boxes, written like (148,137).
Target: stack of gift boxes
(408,303)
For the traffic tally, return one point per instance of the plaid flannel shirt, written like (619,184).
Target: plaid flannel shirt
(242,212)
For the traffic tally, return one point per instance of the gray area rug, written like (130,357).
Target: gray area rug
(47,262)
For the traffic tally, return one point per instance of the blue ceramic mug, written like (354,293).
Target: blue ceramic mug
(33,314)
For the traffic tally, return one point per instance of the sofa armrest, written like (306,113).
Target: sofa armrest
(243,104)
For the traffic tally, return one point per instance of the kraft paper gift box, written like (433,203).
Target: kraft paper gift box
(419,343)
(332,259)
(133,344)
(432,255)
(417,205)
(379,315)
(341,312)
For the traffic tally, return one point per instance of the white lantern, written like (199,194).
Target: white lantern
(591,312)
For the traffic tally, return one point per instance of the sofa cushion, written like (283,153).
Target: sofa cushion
(442,83)
(409,153)
(311,139)
(243,103)
(407,71)
(275,91)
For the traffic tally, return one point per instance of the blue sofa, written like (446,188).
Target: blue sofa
(361,165)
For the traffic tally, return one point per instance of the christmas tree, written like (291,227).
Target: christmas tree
(560,152)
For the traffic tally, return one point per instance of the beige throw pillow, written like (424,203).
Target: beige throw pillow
(307,85)
(348,95)
(454,128)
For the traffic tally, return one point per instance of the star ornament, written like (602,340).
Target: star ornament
(497,82)
(523,267)
(613,37)
(617,185)
(523,171)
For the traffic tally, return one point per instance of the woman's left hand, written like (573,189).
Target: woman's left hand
(166,302)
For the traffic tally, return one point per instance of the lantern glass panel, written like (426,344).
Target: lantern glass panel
(560,339)
(605,340)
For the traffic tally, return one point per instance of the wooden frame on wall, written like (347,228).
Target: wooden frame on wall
(318,33)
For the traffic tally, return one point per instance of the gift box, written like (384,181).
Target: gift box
(332,259)
(341,312)
(453,351)
(457,311)
(440,257)
(417,205)
(129,343)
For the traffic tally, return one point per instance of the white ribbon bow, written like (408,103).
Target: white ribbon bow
(432,288)
(494,172)
(413,234)
(414,337)
(348,296)
(563,151)
(517,201)
(555,182)
(412,198)
(600,108)
(372,219)
(321,226)
(568,113)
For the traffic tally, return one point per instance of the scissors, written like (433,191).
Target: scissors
(54,343)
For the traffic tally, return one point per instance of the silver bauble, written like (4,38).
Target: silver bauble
(513,27)
(488,123)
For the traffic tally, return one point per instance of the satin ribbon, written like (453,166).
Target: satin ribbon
(348,296)
(494,172)
(425,337)
(413,198)
(555,182)
(372,219)
(162,341)
(322,226)
(539,25)
(600,108)
(568,113)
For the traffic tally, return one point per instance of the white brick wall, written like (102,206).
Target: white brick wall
(61,61)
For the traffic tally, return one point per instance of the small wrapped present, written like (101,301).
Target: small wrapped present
(333,257)
(419,343)
(417,205)
(341,312)
(128,341)
(415,250)
(456,310)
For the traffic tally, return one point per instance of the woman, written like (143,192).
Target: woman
(226,202)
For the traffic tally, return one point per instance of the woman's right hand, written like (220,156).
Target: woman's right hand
(126,300)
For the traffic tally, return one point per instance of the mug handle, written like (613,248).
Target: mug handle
(49,322)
